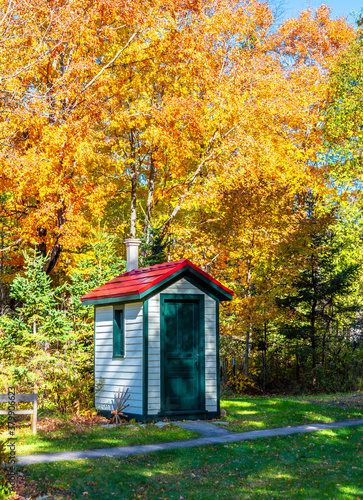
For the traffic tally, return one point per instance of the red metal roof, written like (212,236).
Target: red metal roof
(140,280)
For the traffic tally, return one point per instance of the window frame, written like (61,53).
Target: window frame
(118,333)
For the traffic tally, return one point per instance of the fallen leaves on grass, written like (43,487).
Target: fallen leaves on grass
(28,489)
(78,423)
(344,401)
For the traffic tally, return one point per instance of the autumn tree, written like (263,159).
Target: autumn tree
(343,116)
(194,125)
(132,108)
(246,208)
(75,62)
(178,127)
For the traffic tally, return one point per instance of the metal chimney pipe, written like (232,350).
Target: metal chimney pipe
(132,246)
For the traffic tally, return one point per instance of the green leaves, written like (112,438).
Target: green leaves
(343,116)
(39,316)
(47,340)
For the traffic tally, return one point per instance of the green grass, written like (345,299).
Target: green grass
(68,438)
(326,464)
(246,413)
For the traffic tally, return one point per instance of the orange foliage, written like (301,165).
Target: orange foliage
(239,214)
(194,104)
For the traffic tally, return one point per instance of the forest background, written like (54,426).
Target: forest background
(212,133)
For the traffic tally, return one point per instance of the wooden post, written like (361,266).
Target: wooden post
(23,398)
(35,414)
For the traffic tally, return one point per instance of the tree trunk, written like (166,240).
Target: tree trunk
(312,336)
(208,155)
(313,320)
(327,334)
(133,185)
(323,349)
(2,291)
(149,204)
(133,204)
(264,359)
(54,254)
(249,329)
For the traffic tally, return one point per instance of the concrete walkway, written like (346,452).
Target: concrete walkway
(204,428)
(221,437)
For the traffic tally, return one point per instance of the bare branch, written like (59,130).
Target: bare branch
(110,62)
(210,262)
(10,6)
(209,154)
(11,246)
(192,180)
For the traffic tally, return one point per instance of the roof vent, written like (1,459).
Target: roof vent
(132,246)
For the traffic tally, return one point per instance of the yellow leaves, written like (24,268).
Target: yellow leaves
(242,384)
(322,38)
(205,97)
(246,206)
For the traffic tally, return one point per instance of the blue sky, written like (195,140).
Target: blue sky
(339,7)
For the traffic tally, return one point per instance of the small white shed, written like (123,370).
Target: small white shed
(157,334)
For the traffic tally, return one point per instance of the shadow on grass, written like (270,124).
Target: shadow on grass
(256,413)
(325,464)
(66,439)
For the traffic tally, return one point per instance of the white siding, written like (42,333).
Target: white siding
(210,354)
(182,286)
(125,372)
(153,401)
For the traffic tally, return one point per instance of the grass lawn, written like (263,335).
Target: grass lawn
(77,434)
(244,413)
(325,464)
(247,413)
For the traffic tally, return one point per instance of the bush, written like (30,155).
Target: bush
(4,461)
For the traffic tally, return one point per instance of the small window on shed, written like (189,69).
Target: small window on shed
(118,333)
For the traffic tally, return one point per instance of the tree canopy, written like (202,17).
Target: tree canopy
(204,130)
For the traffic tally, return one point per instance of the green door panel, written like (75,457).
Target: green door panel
(182,342)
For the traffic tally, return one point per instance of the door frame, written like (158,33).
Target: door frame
(199,299)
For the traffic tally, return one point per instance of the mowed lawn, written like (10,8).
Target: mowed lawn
(244,413)
(247,413)
(70,437)
(325,464)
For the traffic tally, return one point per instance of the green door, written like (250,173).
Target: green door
(182,359)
